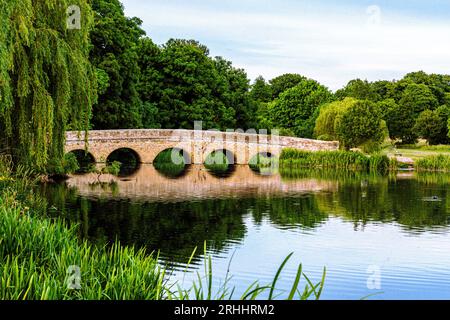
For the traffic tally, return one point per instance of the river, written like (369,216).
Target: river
(383,236)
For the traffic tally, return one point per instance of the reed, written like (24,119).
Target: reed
(345,160)
(433,163)
(202,288)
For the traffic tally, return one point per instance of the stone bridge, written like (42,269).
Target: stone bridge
(196,144)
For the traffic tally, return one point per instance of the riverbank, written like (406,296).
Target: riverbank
(342,160)
(42,259)
(357,161)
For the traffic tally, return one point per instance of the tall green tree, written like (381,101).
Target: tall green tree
(432,125)
(192,88)
(115,38)
(325,128)
(235,93)
(439,84)
(151,82)
(400,120)
(360,124)
(298,108)
(418,97)
(261,91)
(46,81)
(284,82)
(358,89)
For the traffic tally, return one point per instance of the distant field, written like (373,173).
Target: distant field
(418,151)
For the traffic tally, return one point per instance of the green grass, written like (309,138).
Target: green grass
(36,253)
(433,163)
(416,152)
(343,160)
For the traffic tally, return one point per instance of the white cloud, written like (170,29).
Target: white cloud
(328,45)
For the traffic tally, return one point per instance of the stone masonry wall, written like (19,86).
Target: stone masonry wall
(198,145)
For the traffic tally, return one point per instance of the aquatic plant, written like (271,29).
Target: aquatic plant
(346,160)
(433,163)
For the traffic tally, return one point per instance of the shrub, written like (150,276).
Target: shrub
(432,125)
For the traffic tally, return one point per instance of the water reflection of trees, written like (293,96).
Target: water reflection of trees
(289,213)
(388,199)
(176,228)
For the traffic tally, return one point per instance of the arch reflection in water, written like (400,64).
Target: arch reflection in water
(264,163)
(197,183)
(172,162)
(220,163)
(129,161)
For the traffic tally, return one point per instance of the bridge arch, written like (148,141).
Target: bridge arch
(173,155)
(129,159)
(218,155)
(84,158)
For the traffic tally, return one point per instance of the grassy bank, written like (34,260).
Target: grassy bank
(40,258)
(344,160)
(37,253)
(416,152)
(433,163)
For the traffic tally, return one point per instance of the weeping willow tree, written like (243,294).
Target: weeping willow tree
(47,83)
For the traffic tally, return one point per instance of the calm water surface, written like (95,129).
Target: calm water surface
(354,225)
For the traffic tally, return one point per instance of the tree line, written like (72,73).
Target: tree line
(109,74)
(171,86)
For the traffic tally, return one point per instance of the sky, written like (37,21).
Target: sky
(330,41)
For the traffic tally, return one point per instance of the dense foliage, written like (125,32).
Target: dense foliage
(47,84)
(297,108)
(114,54)
(413,107)
(51,76)
(328,118)
(360,124)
